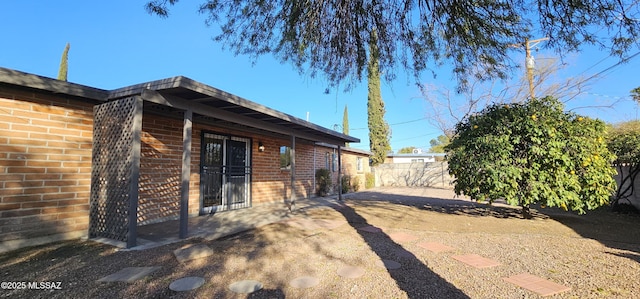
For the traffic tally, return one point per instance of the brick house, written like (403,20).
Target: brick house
(79,161)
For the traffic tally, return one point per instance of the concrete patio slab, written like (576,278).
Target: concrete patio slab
(129,274)
(537,284)
(192,252)
(186,284)
(435,247)
(245,286)
(476,261)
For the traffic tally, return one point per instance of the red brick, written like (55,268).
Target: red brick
(19,213)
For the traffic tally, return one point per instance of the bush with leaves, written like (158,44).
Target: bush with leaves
(369,180)
(530,153)
(346,183)
(323,181)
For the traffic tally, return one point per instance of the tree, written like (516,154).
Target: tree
(446,108)
(64,66)
(406,150)
(332,37)
(532,152)
(624,141)
(438,144)
(635,94)
(345,122)
(378,127)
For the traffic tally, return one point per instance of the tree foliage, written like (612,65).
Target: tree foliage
(64,64)
(406,150)
(635,94)
(332,37)
(378,127)
(623,140)
(438,144)
(532,152)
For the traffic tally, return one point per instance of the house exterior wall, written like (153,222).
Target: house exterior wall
(350,167)
(45,167)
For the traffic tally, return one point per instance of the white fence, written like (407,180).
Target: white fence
(635,197)
(416,174)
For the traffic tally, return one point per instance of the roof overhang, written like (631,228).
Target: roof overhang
(209,105)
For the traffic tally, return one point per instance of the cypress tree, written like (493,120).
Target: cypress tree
(64,67)
(378,127)
(345,122)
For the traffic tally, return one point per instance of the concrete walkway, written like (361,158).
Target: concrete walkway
(220,224)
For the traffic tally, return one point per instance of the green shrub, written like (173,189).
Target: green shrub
(369,180)
(323,182)
(355,185)
(346,183)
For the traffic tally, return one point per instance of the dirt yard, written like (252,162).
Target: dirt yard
(596,255)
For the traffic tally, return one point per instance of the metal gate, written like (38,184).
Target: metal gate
(225,174)
(115,170)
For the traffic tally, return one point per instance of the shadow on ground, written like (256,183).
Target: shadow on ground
(612,229)
(419,282)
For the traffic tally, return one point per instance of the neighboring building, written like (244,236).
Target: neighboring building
(416,157)
(77,160)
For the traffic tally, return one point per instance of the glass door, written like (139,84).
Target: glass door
(225,173)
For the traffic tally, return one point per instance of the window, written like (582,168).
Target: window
(285,157)
(359,164)
(417,160)
(327,160)
(334,165)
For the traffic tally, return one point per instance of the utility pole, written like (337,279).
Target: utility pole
(530,61)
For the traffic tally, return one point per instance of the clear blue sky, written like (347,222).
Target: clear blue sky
(116,43)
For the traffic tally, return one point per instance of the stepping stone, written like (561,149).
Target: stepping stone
(350,272)
(304,282)
(370,229)
(186,284)
(389,264)
(476,261)
(403,253)
(402,237)
(129,274)
(329,224)
(537,284)
(245,286)
(313,224)
(192,252)
(435,247)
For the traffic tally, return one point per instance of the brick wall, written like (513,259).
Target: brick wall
(45,167)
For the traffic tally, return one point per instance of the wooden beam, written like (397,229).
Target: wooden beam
(206,110)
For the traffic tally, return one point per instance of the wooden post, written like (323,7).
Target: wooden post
(339,172)
(186,173)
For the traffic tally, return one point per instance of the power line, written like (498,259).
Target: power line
(395,124)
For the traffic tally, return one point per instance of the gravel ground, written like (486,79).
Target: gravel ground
(597,255)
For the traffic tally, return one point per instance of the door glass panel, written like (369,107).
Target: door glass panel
(212,170)
(237,161)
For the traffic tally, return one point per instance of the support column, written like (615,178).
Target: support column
(339,172)
(293,170)
(186,173)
